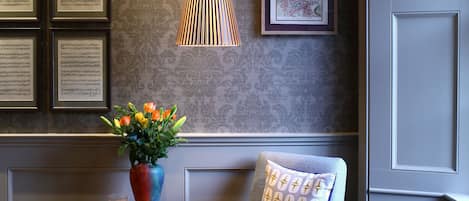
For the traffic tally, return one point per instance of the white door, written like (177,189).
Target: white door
(418,99)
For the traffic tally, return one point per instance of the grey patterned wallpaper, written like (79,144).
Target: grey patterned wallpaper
(269,84)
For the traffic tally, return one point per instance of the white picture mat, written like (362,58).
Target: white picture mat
(80,66)
(80,5)
(16,5)
(17,69)
(275,19)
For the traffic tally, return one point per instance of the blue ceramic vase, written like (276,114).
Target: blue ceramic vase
(147,182)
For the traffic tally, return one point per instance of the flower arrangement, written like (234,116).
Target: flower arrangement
(148,134)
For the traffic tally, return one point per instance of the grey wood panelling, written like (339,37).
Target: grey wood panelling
(418,100)
(424,91)
(363,100)
(202,184)
(208,168)
(404,197)
(393,194)
(67,184)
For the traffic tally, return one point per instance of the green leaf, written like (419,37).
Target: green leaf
(179,123)
(106,121)
(117,107)
(122,149)
(180,140)
(119,131)
(132,107)
(173,110)
(120,111)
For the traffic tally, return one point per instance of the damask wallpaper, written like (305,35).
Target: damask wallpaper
(269,84)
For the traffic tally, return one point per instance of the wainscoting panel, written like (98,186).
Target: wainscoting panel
(67,184)
(203,184)
(397,194)
(210,167)
(425,91)
(404,197)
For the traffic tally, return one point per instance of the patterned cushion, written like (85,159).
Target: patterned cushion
(283,184)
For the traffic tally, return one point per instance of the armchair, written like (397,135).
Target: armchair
(303,163)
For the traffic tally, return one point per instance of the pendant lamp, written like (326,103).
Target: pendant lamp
(208,23)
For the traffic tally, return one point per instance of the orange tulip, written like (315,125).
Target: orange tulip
(166,113)
(125,121)
(149,107)
(155,116)
(174,117)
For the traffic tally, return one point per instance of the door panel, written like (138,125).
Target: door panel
(418,101)
(424,91)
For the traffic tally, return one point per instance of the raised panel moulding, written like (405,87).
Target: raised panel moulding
(406,192)
(56,184)
(425,91)
(456,197)
(195,139)
(203,183)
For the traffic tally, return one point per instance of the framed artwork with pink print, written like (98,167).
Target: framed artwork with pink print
(299,17)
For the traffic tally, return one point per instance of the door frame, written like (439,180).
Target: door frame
(363,99)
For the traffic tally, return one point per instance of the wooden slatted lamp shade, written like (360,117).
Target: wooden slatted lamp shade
(208,23)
